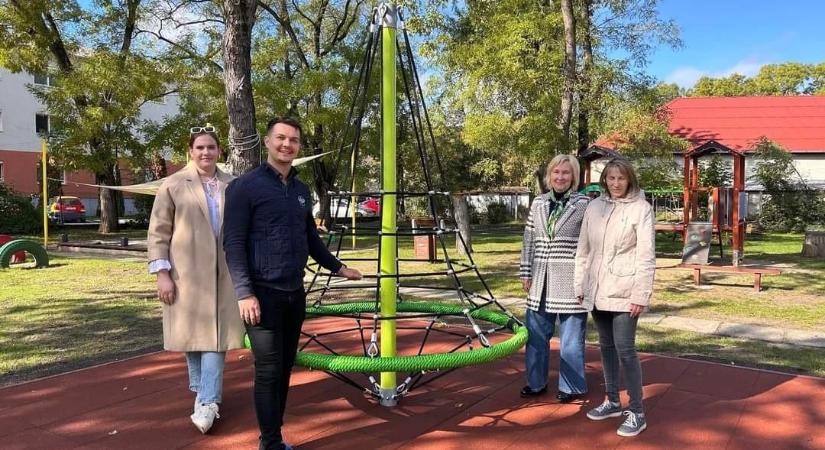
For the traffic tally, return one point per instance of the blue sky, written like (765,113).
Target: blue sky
(722,37)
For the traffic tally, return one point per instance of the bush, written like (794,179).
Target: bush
(497,213)
(17,214)
(143,205)
(792,211)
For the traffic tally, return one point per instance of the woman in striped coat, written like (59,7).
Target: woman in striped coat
(547,271)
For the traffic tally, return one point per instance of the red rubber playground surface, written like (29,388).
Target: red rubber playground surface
(143,403)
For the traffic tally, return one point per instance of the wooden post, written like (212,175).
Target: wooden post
(738,224)
(686,193)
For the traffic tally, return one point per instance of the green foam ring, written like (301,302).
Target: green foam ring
(438,361)
(7,250)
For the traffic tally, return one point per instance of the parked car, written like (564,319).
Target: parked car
(66,209)
(371,204)
(340,209)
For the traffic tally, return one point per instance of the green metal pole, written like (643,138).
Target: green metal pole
(389,254)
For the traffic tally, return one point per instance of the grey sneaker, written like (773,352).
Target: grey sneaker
(605,410)
(633,424)
(205,416)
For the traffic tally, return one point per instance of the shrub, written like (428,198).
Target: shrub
(17,214)
(143,205)
(497,213)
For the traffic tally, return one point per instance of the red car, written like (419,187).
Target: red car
(371,204)
(66,209)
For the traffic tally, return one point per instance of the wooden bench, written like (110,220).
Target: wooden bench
(756,271)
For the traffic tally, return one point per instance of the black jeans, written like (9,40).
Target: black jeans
(274,344)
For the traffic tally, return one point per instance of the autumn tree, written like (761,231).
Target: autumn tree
(100,81)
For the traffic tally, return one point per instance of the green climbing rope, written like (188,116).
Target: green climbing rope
(41,258)
(439,361)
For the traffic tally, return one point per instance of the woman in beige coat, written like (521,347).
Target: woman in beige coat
(615,264)
(200,310)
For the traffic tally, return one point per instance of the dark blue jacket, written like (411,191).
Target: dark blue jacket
(268,231)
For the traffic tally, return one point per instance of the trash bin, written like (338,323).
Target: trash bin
(424,244)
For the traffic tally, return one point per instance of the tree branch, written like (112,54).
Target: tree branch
(284,22)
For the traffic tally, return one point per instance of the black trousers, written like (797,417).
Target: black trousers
(274,345)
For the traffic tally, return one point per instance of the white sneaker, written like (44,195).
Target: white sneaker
(204,416)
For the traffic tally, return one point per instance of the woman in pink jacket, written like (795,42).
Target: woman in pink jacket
(615,264)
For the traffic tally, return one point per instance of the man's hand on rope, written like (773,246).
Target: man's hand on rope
(350,274)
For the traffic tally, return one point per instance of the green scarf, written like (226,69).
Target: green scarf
(556,208)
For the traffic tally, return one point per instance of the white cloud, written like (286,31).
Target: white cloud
(684,76)
(687,76)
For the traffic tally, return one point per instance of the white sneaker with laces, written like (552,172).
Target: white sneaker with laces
(205,416)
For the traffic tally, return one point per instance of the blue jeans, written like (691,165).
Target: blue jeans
(541,326)
(617,339)
(206,375)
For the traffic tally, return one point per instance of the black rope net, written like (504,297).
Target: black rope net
(455,280)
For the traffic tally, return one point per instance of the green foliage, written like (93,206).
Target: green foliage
(497,213)
(143,205)
(644,139)
(791,205)
(501,77)
(789,78)
(715,172)
(17,214)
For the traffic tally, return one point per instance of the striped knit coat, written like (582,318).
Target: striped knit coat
(552,263)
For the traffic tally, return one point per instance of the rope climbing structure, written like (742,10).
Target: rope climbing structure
(480,327)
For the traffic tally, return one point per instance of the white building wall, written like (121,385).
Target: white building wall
(18,108)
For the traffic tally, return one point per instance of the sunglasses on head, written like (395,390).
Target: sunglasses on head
(196,130)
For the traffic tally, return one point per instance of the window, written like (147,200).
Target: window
(65,177)
(41,124)
(2,171)
(42,79)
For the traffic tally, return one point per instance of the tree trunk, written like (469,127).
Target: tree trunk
(585,97)
(108,206)
(814,245)
(462,222)
(568,86)
(239,16)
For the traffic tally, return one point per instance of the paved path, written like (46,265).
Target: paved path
(143,403)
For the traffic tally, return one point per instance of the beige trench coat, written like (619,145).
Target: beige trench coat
(204,316)
(616,256)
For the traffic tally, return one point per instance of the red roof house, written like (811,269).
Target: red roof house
(797,123)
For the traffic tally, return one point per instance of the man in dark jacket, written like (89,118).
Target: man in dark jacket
(268,234)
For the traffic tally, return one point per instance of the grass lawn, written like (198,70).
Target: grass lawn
(75,313)
(83,311)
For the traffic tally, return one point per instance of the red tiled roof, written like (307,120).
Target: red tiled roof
(797,123)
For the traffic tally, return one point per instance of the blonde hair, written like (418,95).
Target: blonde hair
(625,168)
(559,160)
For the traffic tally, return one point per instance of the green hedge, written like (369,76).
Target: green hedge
(17,214)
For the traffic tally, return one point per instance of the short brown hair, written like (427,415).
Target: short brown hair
(559,160)
(625,168)
(286,121)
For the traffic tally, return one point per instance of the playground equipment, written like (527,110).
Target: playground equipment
(700,208)
(726,206)
(12,248)
(376,322)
